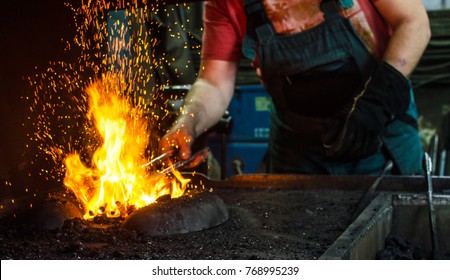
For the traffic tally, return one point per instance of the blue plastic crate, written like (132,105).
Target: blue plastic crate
(249,109)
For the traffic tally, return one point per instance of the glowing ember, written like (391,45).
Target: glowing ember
(116,183)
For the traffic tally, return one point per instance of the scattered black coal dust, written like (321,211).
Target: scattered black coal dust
(262,224)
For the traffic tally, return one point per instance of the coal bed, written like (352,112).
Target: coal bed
(299,217)
(262,224)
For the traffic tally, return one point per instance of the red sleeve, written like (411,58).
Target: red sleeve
(224,30)
(377,25)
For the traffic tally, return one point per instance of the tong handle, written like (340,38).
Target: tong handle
(198,156)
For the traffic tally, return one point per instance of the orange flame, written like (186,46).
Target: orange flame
(116,183)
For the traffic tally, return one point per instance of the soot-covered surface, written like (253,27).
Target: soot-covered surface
(262,224)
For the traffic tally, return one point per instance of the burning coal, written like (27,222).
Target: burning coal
(116,184)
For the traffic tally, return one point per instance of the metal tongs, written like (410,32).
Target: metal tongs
(191,162)
(156,159)
(428,168)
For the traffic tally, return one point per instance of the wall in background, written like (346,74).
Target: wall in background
(433,5)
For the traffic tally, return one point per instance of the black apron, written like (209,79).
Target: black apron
(309,75)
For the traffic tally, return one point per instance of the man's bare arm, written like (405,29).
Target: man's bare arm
(203,107)
(410,32)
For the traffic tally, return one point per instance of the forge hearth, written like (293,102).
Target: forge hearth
(263,223)
(193,212)
(270,217)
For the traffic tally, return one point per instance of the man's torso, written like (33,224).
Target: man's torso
(287,17)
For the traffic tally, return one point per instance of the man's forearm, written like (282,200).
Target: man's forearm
(204,105)
(406,47)
(410,32)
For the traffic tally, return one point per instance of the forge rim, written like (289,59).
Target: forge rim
(196,211)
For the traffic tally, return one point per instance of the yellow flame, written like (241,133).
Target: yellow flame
(115,182)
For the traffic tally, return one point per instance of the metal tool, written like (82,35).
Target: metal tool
(428,167)
(191,162)
(367,197)
(433,152)
(157,159)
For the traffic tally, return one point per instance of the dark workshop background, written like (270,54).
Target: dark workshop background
(32,33)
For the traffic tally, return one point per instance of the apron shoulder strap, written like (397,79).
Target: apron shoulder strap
(259,27)
(330,9)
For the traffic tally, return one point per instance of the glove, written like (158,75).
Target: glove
(355,130)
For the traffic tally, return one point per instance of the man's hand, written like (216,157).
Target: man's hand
(177,143)
(355,131)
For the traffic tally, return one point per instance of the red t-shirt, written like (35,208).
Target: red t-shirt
(225,22)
